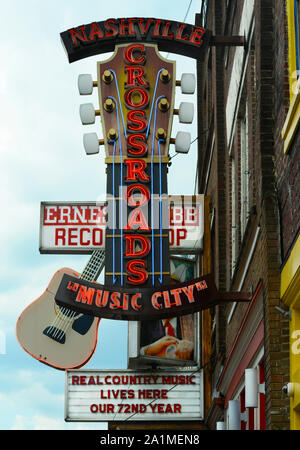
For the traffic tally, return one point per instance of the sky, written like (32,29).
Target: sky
(42,159)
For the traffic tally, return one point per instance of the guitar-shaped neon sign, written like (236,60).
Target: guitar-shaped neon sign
(58,336)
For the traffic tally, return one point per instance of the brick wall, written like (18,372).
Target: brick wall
(267,95)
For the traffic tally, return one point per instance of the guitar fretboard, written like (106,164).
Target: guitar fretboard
(94,266)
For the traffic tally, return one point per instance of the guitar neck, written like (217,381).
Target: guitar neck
(94,266)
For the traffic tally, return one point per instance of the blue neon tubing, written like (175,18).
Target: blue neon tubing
(121,180)
(154,94)
(152,154)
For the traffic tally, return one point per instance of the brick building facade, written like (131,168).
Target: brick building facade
(248,168)
(251,174)
(287,159)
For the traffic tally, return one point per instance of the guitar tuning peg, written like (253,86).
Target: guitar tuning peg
(107,76)
(165,76)
(182,142)
(91,143)
(185,112)
(187,83)
(88,113)
(86,84)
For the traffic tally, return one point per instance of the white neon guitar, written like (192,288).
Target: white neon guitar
(55,335)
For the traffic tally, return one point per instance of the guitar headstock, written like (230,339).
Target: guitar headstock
(136,91)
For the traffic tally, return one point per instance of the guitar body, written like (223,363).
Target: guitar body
(56,336)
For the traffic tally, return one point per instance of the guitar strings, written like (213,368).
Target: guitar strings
(67,320)
(65,315)
(57,319)
(152,187)
(70,313)
(121,186)
(89,273)
(153,101)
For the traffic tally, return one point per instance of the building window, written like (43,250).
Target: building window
(204,12)
(244,158)
(229,31)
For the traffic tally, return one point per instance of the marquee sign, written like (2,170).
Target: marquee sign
(80,227)
(101,37)
(126,395)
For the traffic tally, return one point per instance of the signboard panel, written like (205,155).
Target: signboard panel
(80,227)
(72,227)
(95,299)
(101,37)
(125,395)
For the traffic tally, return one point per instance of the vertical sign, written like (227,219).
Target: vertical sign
(136,97)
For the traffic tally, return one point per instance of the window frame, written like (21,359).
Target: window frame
(244,172)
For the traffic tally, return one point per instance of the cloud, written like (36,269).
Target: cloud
(32,403)
(40,422)
(27,285)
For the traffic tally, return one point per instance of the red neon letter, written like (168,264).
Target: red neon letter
(75,34)
(133,49)
(109,27)
(179,33)
(137,269)
(137,144)
(136,121)
(196,37)
(144,29)
(156,28)
(134,299)
(129,25)
(143,199)
(154,300)
(136,98)
(166,29)
(136,170)
(135,76)
(85,295)
(137,220)
(176,293)
(95,30)
(130,251)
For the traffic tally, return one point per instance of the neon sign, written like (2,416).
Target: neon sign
(101,37)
